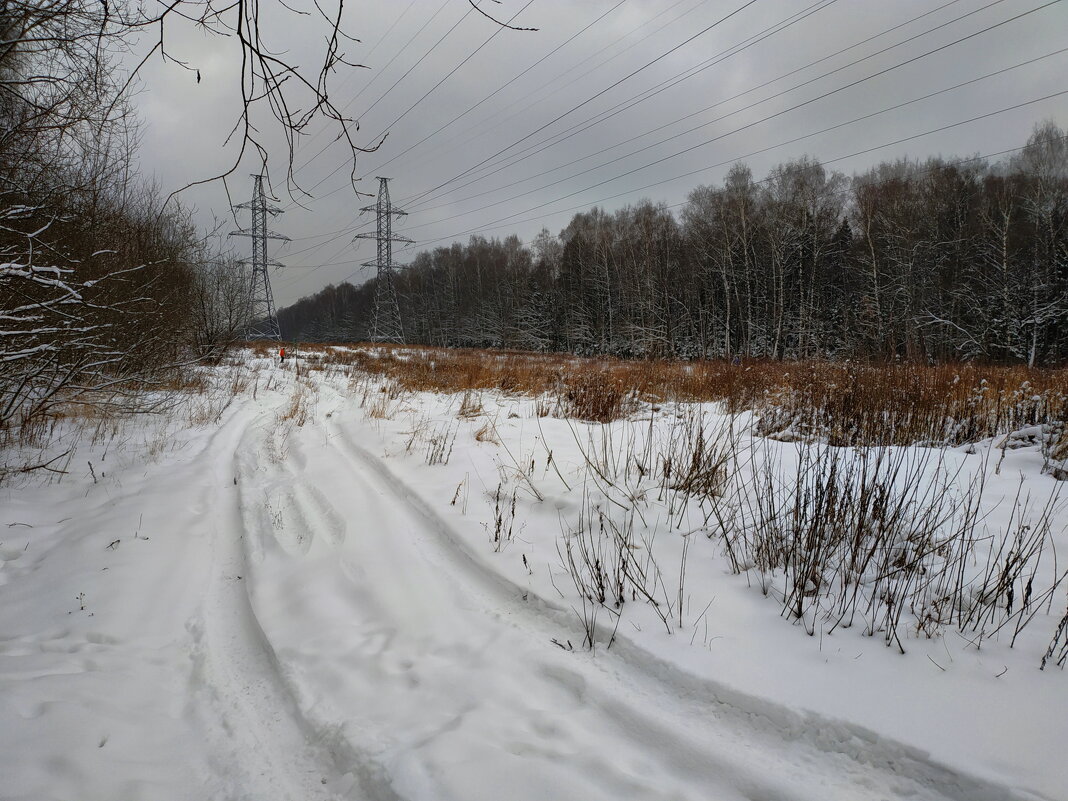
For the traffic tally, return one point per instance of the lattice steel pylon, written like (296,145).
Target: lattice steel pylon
(262,321)
(386,323)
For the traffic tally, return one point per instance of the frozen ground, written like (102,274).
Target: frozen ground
(228,604)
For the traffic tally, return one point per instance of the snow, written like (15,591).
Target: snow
(231,605)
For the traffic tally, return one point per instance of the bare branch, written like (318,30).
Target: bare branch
(474,5)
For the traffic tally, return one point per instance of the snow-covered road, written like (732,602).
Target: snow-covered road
(307,626)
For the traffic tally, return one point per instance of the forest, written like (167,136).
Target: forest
(938,260)
(107,288)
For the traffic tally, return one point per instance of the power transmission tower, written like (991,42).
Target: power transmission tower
(262,322)
(386,320)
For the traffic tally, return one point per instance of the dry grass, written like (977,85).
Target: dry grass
(899,404)
(840,403)
(487,433)
(297,410)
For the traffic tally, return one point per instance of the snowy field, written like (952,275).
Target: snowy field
(310,584)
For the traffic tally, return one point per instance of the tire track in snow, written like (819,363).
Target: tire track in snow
(265,748)
(715,730)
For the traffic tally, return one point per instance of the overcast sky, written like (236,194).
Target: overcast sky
(519,136)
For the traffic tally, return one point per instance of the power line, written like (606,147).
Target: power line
(511,221)
(391,88)
(421,58)
(385,36)
(601,116)
(371,52)
(598,94)
(452,72)
(588,58)
(776,114)
(347,231)
(853,121)
(503,86)
(548,87)
(677,79)
(837,126)
(328,263)
(729,51)
(520,157)
(379,73)
(721,56)
(320,235)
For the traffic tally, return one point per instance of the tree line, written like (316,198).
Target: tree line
(936,260)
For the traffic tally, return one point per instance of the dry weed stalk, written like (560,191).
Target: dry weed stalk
(503,517)
(882,536)
(297,411)
(1058,645)
(470,405)
(628,467)
(439,445)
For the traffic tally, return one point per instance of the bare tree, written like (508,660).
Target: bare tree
(1044,162)
(219,304)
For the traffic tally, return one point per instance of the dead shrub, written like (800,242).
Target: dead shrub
(881,537)
(594,397)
